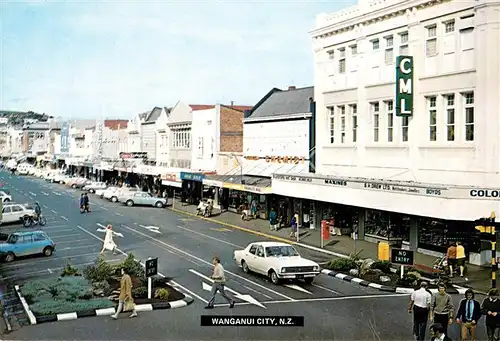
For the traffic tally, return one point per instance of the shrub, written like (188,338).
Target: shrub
(35,288)
(99,271)
(59,289)
(49,307)
(133,267)
(411,279)
(70,270)
(162,294)
(342,264)
(384,266)
(141,291)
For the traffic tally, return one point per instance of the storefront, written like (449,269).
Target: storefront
(424,217)
(230,195)
(172,184)
(192,187)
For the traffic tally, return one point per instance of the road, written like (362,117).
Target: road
(333,309)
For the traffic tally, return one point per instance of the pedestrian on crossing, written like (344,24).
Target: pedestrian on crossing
(219,284)
(419,305)
(442,310)
(109,243)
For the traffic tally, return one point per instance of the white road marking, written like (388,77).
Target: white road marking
(45,206)
(246,298)
(209,237)
(33,194)
(205,262)
(72,241)
(64,218)
(159,273)
(79,247)
(296,287)
(50,271)
(327,289)
(104,208)
(53,211)
(46,194)
(325,299)
(151,228)
(56,227)
(56,193)
(121,215)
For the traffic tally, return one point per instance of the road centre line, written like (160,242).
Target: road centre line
(207,236)
(208,263)
(324,299)
(33,194)
(159,273)
(64,218)
(121,215)
(53,211)
(104,208)
(45,206)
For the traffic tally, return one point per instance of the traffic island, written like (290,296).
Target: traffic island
(94,292)
(380,275)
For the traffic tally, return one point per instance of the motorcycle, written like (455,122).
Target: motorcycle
(30,221)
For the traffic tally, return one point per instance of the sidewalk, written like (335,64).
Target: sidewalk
(477,277)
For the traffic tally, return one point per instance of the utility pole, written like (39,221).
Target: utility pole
(487,227)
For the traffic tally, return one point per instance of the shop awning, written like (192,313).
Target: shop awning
(244,183)
(171,183)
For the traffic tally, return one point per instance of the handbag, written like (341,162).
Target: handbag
(129,305)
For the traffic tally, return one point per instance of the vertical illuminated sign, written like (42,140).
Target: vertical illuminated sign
(404,86)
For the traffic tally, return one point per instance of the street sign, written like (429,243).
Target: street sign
(404,86)
(151,267)
(402,257)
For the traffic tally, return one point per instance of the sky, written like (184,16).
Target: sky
(113,59)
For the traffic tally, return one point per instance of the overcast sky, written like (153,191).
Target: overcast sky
(78,59)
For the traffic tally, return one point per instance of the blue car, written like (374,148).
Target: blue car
(22,244)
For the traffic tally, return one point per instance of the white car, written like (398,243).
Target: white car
(16,212)
(5,197)
(115,192)
(59,178)
(278,261)
(94,186)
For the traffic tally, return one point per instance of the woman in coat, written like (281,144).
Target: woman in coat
(109,243)
(125,298)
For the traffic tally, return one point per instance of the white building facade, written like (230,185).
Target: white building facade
(413,178)
(205,129)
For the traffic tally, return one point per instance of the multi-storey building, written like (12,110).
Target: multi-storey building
(36,138)
(422,177)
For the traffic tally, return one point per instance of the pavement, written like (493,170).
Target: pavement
(477,277)
(333,309)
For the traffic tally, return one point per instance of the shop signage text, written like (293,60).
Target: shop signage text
(192,176)
(401,257)
(404,86)
(134,155)
(169,177)
(278,159)
(484,193)
(65,138)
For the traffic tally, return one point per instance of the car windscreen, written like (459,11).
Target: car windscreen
(12,239)
(281,251)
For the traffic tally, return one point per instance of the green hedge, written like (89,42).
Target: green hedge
(49,307)
(59,289)
(341,264)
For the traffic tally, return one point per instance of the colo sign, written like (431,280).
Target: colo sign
(404,86)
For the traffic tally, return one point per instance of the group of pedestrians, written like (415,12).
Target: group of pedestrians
(439,310)
(84,203)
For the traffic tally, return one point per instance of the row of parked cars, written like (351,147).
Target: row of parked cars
(130,196)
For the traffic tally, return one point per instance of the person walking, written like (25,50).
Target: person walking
(461,258)
(468,314)
(273,220)
(253,208)
(295,224)
(491,309)
(219,284)
(86,203)
(437,333)
(109,243)
(442,310)
(125,299)
(451,257)
(82,204)
(419,305)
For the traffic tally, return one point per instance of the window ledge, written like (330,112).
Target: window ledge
(385,146)
(448,146)
(341,145)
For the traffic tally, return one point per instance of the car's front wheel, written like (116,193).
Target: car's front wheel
(130,203)
(159,204)
(9,257)
(114,199)
(273,276)
(47,252)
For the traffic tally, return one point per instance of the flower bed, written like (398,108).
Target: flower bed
(97,287)
(379,272)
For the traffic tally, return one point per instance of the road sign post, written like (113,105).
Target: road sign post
(487,227)
(151,270)
(402,257)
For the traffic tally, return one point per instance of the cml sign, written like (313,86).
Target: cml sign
(65,138)
(404,86)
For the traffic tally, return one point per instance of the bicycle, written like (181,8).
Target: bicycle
(31,221)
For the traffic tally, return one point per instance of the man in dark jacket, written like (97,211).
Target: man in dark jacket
(82,203)
(491,308)
(86,202)
(437,333)
(468,314)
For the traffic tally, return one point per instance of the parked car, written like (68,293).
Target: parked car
(59,178)
(16,212)
(141,198)
(100,192)
(93,186)
(5,197)
(21,244)
(278,261)
(117,192)
(80,183)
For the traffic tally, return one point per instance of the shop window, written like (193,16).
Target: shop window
(345,218)
(436,235)
(387,225)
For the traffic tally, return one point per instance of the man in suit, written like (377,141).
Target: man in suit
(437,333)
(468,314)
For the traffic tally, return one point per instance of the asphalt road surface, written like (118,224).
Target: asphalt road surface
(333,309)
